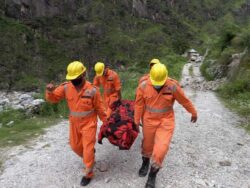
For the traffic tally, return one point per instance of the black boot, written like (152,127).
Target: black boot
(85,181)
(144,167)
(151,177)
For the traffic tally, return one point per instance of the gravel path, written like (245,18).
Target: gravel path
(214,152)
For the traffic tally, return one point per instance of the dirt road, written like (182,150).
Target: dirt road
(214,152)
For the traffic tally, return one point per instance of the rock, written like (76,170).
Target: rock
(225,163)
(210,183)
(10,142)
(102,166)
(25,97)
(37,102)
(16,102)
(17,107)
(200,182)
(4,101)
(27,102)
(240,144)
(10,124)
(107,180)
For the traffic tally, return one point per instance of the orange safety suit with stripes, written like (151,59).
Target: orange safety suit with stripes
(143,78)
(111,88)
(155,110)
(84,106)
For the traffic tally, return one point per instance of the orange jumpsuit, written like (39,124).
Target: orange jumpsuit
(111,87)
(84,106)
(156,111)
(143,78)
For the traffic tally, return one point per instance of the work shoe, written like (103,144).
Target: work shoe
(85,181)
(144,167)
(151,177)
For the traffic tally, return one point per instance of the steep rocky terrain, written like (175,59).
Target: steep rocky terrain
(40,37)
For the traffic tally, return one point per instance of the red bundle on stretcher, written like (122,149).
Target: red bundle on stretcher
(120,128)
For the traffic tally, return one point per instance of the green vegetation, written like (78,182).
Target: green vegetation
(238,92)
(22,128)
(204,70)
(231,36)
(130,76)
(44,46)
(191,73)
(1,163)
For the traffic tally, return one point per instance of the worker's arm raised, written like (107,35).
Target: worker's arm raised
(55,94)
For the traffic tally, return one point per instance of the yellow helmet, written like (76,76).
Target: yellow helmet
(99,68)
(158,74)
(75,69)
(154,61)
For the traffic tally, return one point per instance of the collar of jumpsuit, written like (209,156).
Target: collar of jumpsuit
(83,87)
(106,72)
(157,88)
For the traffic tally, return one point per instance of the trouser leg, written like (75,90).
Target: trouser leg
(162,141)
(148,140)
(88,143)
(75,139)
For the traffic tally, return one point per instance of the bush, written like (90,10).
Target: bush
(174,65)
(205,70)
(54,110)
(27,83)
(234,88)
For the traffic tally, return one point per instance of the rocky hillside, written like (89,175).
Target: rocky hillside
(40,37)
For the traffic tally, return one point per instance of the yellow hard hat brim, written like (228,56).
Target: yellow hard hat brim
(68,77)
(155,83)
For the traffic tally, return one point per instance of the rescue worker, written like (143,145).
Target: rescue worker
(111,84)
(155,98)
(85,103)
(151,64)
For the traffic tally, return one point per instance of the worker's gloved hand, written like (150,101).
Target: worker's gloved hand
(99,141)
(194,119)
(50,87)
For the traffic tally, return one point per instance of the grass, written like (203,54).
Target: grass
(1,163)
(191,73)
(23,128)
(129,81)
(236,96)
(241,107)
(205,72)
(131,75)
